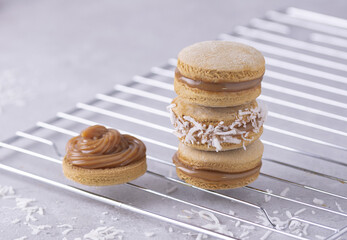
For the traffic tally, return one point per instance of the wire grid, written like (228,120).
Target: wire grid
(302,181)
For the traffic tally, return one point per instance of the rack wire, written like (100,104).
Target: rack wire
(301,192)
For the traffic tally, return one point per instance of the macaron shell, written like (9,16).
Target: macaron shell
(237,160)
(201,183)
(208,115)
(225,146)
(106,176)
(215,99)
(221,61)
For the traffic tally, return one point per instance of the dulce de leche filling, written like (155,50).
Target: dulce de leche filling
(214,176)
(99,147)
(218,87)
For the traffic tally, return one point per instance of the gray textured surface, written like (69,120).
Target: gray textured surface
(56,53)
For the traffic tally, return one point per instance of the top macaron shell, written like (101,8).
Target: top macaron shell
(219,73)
(221,61)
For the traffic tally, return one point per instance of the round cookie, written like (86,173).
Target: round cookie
(222,170)
(104,177)
(101,156)
(219,73)
(217,129)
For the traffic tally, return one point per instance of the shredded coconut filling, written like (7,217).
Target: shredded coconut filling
(193,132)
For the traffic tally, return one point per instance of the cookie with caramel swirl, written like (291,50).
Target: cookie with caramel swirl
(101,156)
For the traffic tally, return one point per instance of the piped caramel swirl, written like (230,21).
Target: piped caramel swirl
(99,147)
(218,87)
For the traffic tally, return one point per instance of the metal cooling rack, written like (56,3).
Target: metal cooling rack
(304,174)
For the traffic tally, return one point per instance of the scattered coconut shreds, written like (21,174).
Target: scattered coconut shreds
(171,189)
(248,227)
(6,191)
(266,235)
(103,233)
(244,234)
(304,230)
(105,213)
(294,227)
(190,234)
(170,229)
(289,214)
(318,201)
(149,234)
(237,224)
(339,207)
(299,211)
(284,192)
(21,238)
(15,221)
(319,237)
(199,237)
(266,196)
(68,229)
(36,229)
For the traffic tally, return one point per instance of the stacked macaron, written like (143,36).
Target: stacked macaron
(216,117)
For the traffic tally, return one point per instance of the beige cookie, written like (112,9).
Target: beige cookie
(217,129)
(101,156)
(219,73)
(106,176)
(222,170)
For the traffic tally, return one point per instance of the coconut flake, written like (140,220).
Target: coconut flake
(149,234)
(284,192)
(299,211)
(266,235)
(266,196)
(319,237)
(103,233)
(36,229)
(15,221)
(318,201)
(289,214)
(21,238)
(6,191)
(66,231)
(339,207)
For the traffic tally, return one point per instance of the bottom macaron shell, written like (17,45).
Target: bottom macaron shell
(226,146)
(202,183)
(215,99)
(107,176)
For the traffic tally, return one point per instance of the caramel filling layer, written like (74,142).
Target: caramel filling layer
(218,87)
(214,176)
(99,147)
